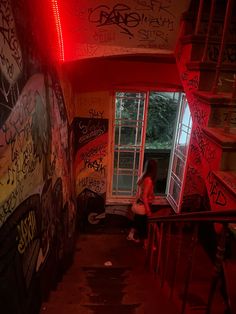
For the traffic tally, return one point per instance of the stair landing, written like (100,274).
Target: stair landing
(108,275)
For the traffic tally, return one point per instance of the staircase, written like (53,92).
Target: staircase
(194,265)
(206,58)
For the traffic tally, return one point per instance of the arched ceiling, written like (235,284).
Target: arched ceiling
(95,28)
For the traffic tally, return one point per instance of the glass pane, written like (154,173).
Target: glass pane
(125,182)
(132,110)
(127,160)
(178,168)
(123,185)
(175,190)
(128,136)
(162,110)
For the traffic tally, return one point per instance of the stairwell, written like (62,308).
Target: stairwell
(108,275)
(207,68)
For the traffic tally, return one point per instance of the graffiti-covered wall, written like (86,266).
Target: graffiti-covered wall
(90,129)
(111,27)
(37,208)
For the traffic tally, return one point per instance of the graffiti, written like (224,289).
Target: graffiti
(10,53)
(99,150)
(194,182)
(96,114)
(27,231)
(204,145)
(90,160)
(200,116)
(157,5)
(17,124)
(215,191)
(122,16)
(229,181)
(96,165)
(96,185)
(8,206)
(104,36)
(193,83)
(151,35)
(23,163)
(40,128)
(195,154)
(89,129)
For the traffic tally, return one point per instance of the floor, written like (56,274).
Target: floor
(108,275)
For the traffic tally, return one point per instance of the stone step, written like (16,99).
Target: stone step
(217,24)
(136,308)
(226,140)
(207,72)
(223,108)
(221,187)
(198,45)
(226,143)
(228,179)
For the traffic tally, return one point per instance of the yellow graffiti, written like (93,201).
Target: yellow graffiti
(27,231)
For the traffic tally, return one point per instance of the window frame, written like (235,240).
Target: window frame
(111,199)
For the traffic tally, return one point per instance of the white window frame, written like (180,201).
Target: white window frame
(173,178)
(111,199)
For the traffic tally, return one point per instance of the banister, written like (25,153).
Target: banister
(209,216)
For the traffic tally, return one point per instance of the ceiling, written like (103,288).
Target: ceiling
(91,28)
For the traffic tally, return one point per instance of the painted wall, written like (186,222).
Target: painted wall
(37,206)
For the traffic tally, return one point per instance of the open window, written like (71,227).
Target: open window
(143,128)
(179,157)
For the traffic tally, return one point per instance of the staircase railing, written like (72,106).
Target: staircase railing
(184,248)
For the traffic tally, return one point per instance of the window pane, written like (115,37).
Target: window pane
(175,190)
(122,184)
(178,168)
(162,110)
(127,160)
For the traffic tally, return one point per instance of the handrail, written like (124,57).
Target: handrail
(210,216)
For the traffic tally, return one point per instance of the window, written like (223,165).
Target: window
(128,142)
(144,127)
(177,174)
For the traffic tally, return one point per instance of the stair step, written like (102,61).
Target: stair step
(228,179)
(221,193)
(198,45)
(223,108)
(207,75)
(93,308)
(227,141)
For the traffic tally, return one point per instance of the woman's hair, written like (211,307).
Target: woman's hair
(150,170)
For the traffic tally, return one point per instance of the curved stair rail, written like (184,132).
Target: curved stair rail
(175,255)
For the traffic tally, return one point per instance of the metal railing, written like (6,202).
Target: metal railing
(176,255)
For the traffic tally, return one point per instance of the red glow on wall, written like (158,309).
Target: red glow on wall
(58,30)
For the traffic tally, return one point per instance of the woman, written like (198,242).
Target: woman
(145,196)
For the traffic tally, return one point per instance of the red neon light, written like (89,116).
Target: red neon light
(58,29)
